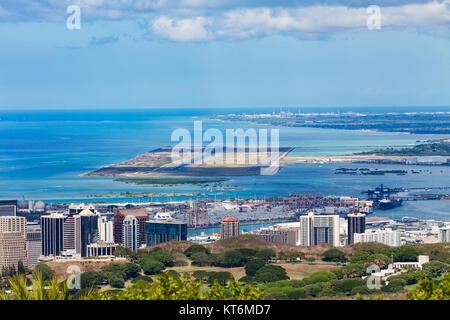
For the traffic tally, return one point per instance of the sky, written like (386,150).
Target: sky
(218,53)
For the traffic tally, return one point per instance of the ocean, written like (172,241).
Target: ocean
(42,154)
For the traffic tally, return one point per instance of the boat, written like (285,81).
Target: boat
(386,204)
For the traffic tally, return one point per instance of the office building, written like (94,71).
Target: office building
(229,227)
(72,233)
(163,228)
(13,224)
(33,244)
(387,237)
(105,230)
(89,230)
(356,224)
(130,233)
(319,229)
(8,207)
(276,235)
(120,215)
(444,234)
(52,234)
(80,230)
(13,248)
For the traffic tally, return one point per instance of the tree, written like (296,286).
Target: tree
(124,252)
(173,274)
(91,279)
(405,254)
(427,290)
(131,270)
(346,286)
(115,280)
(21,268)
(320,276)
(231,259)
(361,256)
(334,255)
(279,272)
(200,259)
(248,253)
(435,268)
(196,248)
(297,293)
(163,256)
(265,277)
(311,259)
(46,272)
(266,253)
(291,255)
(151,266)
(201,275)
(253,265)
(221,277)
(143,278)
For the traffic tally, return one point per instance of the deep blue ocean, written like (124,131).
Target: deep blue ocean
(42,154)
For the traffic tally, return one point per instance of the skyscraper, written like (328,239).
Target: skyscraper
(33,244)
(356,224)
(13,246)
(444,234)
(120,215)
(130,233)
(52,234)
(89,230)
(229,227)
(80,230)
(105,230)
(319,229)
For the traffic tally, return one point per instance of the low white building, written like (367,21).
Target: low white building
(388,237)
(415,265)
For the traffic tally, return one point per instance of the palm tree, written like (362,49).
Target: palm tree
(42,290)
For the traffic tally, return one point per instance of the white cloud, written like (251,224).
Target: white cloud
(203,20)
(182,29)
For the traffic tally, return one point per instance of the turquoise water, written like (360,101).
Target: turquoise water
(42,155)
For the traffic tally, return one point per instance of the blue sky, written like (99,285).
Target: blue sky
(217,53)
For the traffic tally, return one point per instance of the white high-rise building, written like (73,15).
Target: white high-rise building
(105,229)
(130,233)
(387,237)
(318,229)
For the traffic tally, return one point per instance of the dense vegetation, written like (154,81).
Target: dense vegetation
(149,274)
(440,148)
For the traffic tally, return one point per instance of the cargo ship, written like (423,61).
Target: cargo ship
(386,204)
